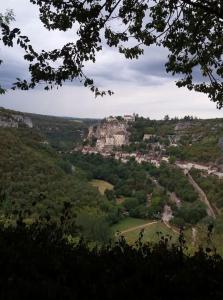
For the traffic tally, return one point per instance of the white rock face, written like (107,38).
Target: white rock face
(14,121)
(109,134)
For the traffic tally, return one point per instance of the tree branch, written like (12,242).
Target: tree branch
(211,9)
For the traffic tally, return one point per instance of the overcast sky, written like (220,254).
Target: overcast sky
(140,86)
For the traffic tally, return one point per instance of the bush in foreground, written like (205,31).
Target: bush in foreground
(40,263)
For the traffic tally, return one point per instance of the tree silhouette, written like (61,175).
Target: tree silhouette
(190,30)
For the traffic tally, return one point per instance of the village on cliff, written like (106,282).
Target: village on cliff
(109,136)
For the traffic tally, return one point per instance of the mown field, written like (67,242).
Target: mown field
(151,233)
(101,185)
(128,223)
(154,232)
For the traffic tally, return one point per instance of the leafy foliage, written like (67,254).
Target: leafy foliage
(212,185)
(190,30)
(36,184)
(94,226)
(39,262)
(191,213)
(174,180)
(133,183)
(130,180)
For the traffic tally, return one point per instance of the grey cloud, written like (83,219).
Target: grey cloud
(10,69)
(141,86)
(150,101)
(114,68)
(110,68)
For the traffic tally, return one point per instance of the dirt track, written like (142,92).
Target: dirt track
(138,227)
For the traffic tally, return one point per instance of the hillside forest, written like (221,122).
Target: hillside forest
(92,196)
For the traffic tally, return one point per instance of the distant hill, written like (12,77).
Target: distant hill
(192,139)
(14,119)
(63,133)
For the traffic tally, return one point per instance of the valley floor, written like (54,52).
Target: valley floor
(130,228)
(153,231)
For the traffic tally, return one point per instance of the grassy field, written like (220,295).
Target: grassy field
(101,185)
(152,233)
(128,223)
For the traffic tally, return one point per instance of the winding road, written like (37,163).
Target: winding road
(202,196)
(165,216)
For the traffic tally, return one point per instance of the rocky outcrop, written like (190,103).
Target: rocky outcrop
(108,134)
(181,126)
(11,120)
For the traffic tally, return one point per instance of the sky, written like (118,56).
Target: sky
(140,86)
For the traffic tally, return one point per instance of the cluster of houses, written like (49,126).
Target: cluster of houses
(156,161)
(125,156)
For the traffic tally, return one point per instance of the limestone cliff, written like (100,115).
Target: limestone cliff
(109,133)
(16,120)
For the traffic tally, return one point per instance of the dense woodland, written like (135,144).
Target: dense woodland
(213,188)
(131,182)
(142,198)
(36,184)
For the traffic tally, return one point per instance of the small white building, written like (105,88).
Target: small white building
(129,118)
(147,137)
